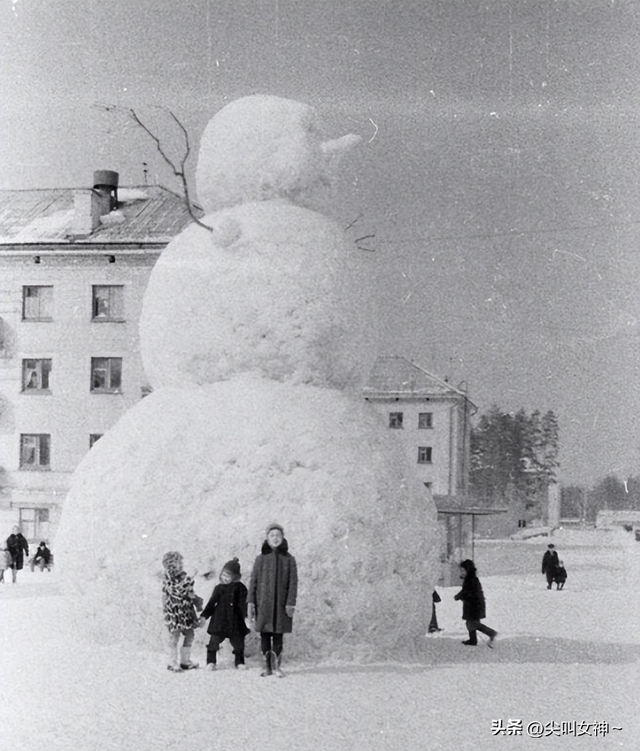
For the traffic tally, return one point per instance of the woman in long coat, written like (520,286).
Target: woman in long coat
(271,601)
(18,547)
(473,604)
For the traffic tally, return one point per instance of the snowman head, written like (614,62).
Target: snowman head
(263,147)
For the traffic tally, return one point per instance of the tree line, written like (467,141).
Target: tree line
(514,457)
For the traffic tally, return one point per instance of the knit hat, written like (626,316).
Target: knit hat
(233,567)
(172,560)
(275,525)
(551,545)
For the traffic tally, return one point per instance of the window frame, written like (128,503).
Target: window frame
(37,466)
(110,389)
(430,421)
(396,424)
(117,317)
(37,369)
(26,296)
(428,454)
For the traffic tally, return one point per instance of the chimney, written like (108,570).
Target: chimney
(90,205)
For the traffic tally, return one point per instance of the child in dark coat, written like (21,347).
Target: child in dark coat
(227,609)
(273,590)
(473,605)
(561,575)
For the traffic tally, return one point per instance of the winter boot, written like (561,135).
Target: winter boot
(269,662)
(277,670)
(185,659)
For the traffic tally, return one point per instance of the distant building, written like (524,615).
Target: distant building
(431,419)
(73,268)
(622,519)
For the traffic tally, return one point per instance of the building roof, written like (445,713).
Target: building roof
(148,214)
(397,376)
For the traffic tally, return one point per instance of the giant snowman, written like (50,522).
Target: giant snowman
(254,336)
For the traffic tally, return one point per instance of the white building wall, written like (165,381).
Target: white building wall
(442,469)
(71,412)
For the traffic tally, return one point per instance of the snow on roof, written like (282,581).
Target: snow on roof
(151,215)
(397,375)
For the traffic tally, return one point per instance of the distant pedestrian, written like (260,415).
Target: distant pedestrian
(43,558)
(550,564)
(227,609)
(561,575)
(273,590)
(18,547)
(473,604)
(433,624)
(179,607)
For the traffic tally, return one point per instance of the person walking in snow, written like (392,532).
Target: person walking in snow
(18,547)
(227,609)
(550,564)
(179,607)
(561,575)
(273,590)
(473,604)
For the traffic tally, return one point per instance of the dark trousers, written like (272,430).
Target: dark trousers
(550,577)
(237,643)
(473,626)
(266,643)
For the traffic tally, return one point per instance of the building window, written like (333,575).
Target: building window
(424,454)
(107,303)
(425,420)
(37,303)
(35,451)
(395,419)
(36,375)
(106,374)
(93,437)
(34,523)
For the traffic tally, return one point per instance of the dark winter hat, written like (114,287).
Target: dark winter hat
(275,525)
(551,545)
(233,567)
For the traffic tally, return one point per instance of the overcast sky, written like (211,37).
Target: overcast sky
(498,170)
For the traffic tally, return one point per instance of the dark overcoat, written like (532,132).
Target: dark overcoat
(549,562)
(472,596)
(227,608)
(273,587)
(18,547)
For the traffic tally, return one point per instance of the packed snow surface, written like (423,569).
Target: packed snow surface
(274,289)
(569,656)
(172,475)
(262,147)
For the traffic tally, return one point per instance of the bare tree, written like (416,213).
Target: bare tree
(179,170)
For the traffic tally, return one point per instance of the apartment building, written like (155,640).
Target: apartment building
(431,419)
(74,265)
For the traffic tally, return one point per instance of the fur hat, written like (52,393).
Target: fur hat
(274,525)
(233,567)
(172,560)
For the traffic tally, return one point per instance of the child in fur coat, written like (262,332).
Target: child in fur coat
(179,607)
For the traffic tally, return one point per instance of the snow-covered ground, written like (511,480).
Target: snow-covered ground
(562,657)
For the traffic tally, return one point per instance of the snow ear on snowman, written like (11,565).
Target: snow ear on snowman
(335,149)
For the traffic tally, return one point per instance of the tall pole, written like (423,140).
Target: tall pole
(473,536)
